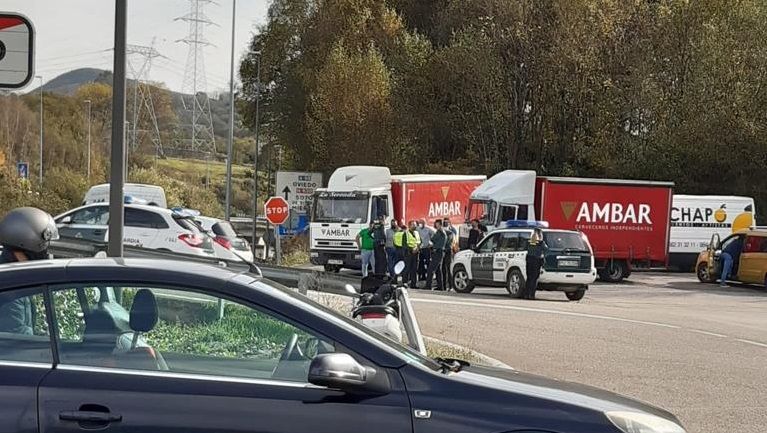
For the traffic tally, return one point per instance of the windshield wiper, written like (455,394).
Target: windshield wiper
(451,365)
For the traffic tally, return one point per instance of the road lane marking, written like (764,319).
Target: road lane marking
(543,310)
(713,334)
(754,343)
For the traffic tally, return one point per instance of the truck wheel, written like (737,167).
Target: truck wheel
(613,272)
(704,276)
(576,295)
(515,283)
(461,281)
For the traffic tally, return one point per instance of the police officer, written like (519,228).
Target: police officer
(411,243)
(380,265)
(25,234)
(536,250)
(451,236)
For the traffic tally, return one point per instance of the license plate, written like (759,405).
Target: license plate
(569,263)
(335,262)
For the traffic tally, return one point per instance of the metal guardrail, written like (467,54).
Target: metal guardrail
(303,279)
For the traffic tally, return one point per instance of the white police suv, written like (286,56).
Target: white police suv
(499,260)
(145,227)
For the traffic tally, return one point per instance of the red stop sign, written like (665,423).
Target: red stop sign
(277,210)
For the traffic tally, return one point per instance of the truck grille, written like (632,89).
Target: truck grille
(335,244)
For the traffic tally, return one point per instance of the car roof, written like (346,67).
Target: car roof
(526,229)
(146,207)
(117,270)
(752,232)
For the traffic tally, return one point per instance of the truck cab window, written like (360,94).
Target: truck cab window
(379,207)
(508,213)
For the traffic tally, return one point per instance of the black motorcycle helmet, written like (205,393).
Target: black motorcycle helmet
(29,230)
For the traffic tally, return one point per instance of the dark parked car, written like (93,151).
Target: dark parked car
(151,346)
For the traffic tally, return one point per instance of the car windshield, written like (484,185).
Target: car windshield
(341,209)
(408,354)
(564,241)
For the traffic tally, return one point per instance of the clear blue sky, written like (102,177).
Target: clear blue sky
(80,33)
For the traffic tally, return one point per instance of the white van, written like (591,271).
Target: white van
(696,218)
(151,194)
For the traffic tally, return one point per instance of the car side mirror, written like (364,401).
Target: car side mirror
(341,371)
(66,220)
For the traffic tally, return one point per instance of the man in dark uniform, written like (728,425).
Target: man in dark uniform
(25,234)
(438,245)
(381,265)
(447,260)
(536,250)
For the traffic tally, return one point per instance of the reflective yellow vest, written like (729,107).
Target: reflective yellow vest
(398,239)
(413,240)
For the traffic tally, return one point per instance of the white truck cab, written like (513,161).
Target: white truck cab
(355,195)
(509,195)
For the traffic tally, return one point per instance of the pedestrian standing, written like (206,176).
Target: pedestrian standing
(25,234)
(379,249)
(451,243)
(536,250)
(730,255)
(475,234)
(366,244)
(411,244)
(424,256)
(438,244)
(391,251)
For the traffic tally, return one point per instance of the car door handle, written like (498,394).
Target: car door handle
(89,416)
(98,232)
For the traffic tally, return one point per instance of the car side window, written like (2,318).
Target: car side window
(524,239)
(24,335)
(509,242)
(94,215)
(489,244)
(183,331)
(144,219)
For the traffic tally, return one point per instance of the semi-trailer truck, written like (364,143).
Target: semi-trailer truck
(356,195)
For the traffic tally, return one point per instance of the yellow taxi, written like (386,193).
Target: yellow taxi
(751,268)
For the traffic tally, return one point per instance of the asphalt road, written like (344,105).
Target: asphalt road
(697,350)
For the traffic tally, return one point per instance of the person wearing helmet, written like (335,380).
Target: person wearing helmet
(25,234)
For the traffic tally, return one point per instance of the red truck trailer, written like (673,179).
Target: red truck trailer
(627,221)
(432,197)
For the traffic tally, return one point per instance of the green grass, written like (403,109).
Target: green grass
(195,167)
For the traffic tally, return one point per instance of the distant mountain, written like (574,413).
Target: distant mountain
(68,83)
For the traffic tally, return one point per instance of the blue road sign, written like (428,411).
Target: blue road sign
(23,169)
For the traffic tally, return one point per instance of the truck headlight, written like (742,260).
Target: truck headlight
(314,254)
(634,422)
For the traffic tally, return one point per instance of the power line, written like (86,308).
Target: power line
(195,83)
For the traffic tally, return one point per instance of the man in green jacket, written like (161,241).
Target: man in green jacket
(366,244)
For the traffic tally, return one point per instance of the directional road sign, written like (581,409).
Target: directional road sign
(277,210)
(298,188)
(17,41)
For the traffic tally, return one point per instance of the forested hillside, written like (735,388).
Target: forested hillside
(665,89)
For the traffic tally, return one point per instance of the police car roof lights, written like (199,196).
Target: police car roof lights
(133,200)
(184,212)
(522,224)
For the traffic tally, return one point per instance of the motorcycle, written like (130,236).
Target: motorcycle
(378,305)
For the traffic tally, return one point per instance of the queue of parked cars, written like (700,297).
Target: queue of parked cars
(149,224)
